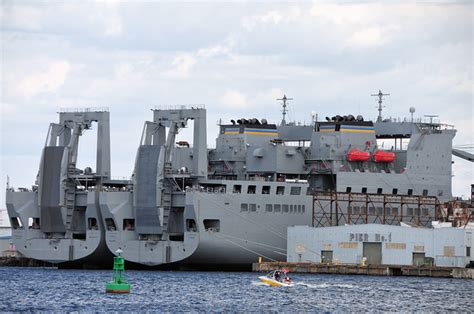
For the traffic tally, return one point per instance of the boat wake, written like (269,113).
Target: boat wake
(324,285)
(259,283)
(311,286)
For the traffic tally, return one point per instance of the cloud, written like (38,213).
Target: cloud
(48,80)
(181,66)
(371,36)
(234,99)
(25,17)
(271,17)
(237,58)
(96,19)
(216,50)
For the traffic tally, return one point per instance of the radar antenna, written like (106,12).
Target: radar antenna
(284,111)
(380,95)
(431,116)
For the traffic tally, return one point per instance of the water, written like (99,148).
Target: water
(36,289)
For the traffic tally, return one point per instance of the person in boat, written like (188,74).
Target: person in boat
(287,280)
(277,275)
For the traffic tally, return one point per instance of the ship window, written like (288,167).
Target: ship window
(33,223)
(302,208)
(237,188)
(410,192)
(395,191)
(244,207)
(356,210)
(251,189)
(129,224)
(191,225)
(276,208)
(280,190)
(92,224)
(417,212)
(468,251)
(15,223)
(110,224)
(299,209)
(253,207)
(295,190)
(364,190)
(394,211)
(285,208)
(212,225)
(379,191)
(268,207)
(348,189)
(425,192)
(79,236)
(266,189)
(410,211)
(291,208)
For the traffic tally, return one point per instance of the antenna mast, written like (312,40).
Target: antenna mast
(284,111)
(380,95)
(431,116)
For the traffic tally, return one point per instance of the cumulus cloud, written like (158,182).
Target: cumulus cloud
(367,37)
(25,17)
(48,80)
(234,99)
(181,66)
(237,58)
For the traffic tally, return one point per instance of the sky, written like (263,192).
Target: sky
(235,57)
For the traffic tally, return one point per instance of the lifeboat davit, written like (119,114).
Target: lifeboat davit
(358,155)
(383,156)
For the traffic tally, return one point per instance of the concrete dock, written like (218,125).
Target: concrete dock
(23,262)
(375,270)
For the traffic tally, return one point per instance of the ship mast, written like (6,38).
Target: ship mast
(284,111)
(380,95)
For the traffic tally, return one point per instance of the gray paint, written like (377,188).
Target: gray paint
(145,212)
(51,217)
(173,185)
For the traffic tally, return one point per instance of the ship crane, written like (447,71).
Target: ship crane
(461,152)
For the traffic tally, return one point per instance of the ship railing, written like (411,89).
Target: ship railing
(206,189)
(103,188)
(300,181)
(88,109)
(114,189)
(21,189)
(179,107)
(121,178)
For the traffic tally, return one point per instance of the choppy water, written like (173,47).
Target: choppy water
(36,289)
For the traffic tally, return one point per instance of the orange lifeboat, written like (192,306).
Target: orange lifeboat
(358,155)
(383,156)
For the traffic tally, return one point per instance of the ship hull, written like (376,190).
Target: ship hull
(226,233)
(86,247)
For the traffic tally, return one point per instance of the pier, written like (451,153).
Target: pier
(373,270)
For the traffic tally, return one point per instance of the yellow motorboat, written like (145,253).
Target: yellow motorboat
(277,278)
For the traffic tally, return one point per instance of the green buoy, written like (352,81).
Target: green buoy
(118,284)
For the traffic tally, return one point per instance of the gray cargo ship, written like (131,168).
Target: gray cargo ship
(189,205)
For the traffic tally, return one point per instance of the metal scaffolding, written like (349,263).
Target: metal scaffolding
(338,208)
